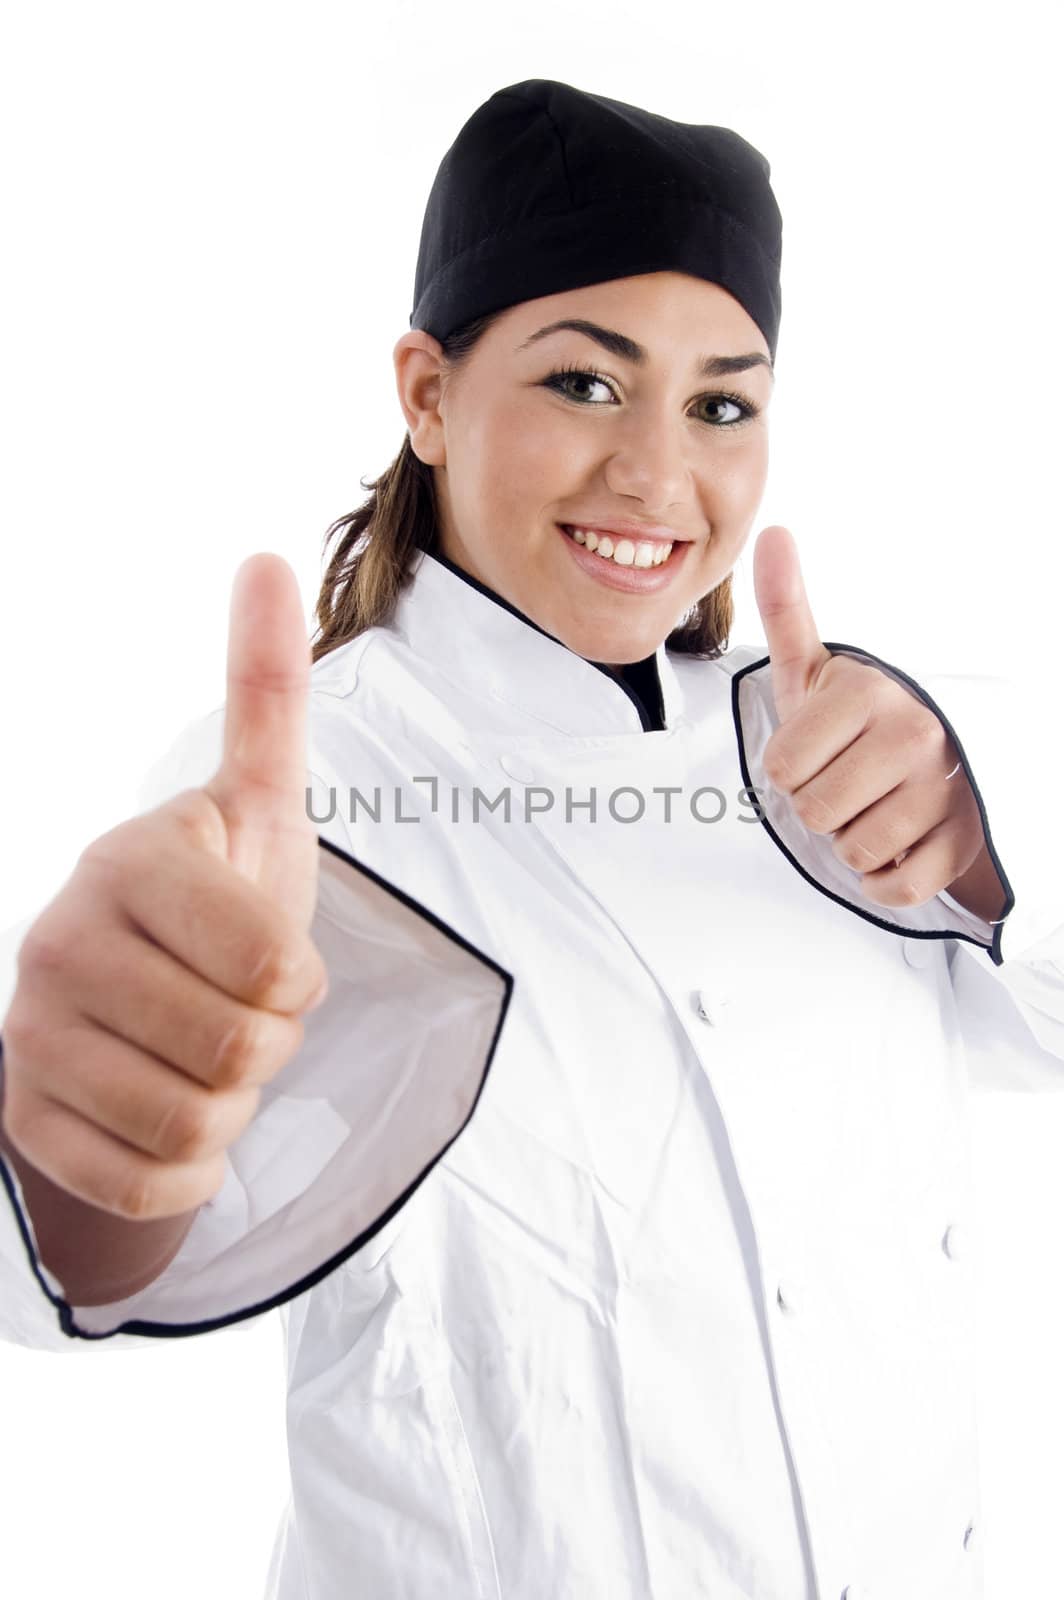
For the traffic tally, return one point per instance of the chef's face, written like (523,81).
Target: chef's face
(519,454)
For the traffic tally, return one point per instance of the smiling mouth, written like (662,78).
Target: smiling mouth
(642,554)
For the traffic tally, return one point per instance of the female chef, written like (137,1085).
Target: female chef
(564,1018)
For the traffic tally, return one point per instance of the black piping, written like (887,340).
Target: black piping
(994,948)
(644,672)
(160,1330)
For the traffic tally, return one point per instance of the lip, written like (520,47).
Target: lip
(630,580)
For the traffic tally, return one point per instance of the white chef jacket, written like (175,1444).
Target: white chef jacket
(615,1203)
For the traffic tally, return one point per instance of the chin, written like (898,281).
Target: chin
(618,652)
(607,644)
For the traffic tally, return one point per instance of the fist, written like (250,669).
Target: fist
(861,758)
(165,983)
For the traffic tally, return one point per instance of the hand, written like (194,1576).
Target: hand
(857,755)
(163,986)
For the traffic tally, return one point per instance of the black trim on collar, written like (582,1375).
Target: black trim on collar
(994,948)
(638,679)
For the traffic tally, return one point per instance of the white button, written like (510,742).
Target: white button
(712,1004)
(969,1536)
(918,952)
(955,1241)
(517,768)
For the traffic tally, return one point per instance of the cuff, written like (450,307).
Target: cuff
(1004,756)
(389,1073)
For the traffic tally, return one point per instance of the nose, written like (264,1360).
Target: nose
(648,458)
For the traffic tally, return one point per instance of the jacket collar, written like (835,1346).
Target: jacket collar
(472,636)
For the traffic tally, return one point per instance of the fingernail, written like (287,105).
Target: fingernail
(318,996)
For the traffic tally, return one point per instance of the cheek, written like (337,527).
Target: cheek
(523,456)
(732,488)
(736,476)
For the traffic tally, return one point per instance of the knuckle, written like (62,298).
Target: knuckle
(276,1040)
(801,805)
(882,689)
(777,769)
(284,1035)
(272,970)
(197,819)
(900,840)
(852,853)
(926,732)
(108,855)
(184,1131)
(899,895)
(24,1034)
(813,812)
(239,1051)
(280,1038)
(861,854)
(134,1196)
(47,948)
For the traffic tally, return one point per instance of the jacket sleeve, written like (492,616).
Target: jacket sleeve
(1007,977)
(389,1073)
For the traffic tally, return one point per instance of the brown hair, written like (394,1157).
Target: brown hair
(365,575)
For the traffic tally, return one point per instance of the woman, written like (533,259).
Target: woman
(614,1194)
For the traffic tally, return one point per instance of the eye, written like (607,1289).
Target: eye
(561,377)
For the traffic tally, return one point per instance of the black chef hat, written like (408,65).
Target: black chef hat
(548,188)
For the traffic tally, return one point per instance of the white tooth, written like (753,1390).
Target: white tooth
(626,553)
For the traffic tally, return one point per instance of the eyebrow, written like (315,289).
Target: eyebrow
(619,344)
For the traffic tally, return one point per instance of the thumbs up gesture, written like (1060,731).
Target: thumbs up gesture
(862,759)
(260,787)
(164,984)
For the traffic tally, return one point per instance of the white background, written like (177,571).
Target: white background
(211,217)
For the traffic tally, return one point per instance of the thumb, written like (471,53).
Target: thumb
(796,653)
(260,786)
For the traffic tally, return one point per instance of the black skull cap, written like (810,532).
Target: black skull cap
(548,188)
